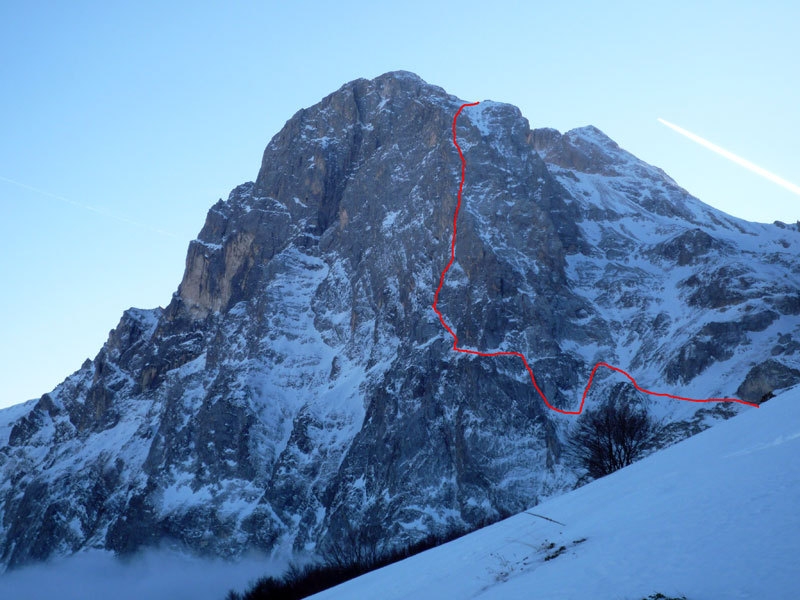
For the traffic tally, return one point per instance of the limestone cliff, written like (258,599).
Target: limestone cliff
(298,390)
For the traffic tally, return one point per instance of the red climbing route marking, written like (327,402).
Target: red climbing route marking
(519,355)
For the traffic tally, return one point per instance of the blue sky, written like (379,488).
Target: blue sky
(122,123)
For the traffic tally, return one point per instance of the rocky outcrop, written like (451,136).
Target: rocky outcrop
(714,342)
(765,378)
(688,247)
(298,390)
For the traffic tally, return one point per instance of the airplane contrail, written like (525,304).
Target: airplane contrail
(88,207)
(735,158)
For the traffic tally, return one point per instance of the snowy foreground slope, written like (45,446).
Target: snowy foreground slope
(713,517)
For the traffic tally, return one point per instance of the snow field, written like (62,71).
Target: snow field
(713,517)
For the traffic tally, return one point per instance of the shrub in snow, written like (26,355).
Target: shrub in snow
(610,437)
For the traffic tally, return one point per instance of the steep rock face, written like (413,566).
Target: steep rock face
(299,390)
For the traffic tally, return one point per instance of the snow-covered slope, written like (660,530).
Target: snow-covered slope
(655,256)
(713,517)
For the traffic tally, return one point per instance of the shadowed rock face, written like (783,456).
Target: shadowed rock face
(765,378)
(299,390)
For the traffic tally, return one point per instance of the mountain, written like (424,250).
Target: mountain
(299,393)
(712,517)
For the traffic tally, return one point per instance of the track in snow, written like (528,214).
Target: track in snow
(519,355)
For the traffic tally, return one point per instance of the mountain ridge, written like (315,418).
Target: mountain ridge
(298,389)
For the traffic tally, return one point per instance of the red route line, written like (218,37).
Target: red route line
(519,354)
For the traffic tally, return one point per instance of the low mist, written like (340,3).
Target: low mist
(151,575)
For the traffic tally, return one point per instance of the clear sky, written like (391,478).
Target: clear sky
(123,122)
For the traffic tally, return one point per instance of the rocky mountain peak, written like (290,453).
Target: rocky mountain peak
(586,149)
(299,390)
(302,187)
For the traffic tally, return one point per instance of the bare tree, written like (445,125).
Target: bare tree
(612,436)
(355,546)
